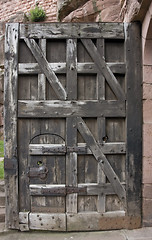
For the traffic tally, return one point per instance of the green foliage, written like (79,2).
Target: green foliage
(37,14)
(1,169)
(1,148)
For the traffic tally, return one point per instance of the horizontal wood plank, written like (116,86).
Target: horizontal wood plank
(72,30)
(87,68)
(59,190)
(87,221)
(60,149)
(45,109)
(44,221)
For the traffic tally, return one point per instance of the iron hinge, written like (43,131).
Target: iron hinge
(11,165)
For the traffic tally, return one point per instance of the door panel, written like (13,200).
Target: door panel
(72,127)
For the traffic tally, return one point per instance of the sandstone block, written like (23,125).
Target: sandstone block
(147,91)
(147,191)
(147,170)
(147,74)
(147,212)
(147,140)
(147,111)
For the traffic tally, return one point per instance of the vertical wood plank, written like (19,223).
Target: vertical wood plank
(41,77)
(10,116)
(134,118)
(71,165)
(71,59)
(71,131)
(101,178)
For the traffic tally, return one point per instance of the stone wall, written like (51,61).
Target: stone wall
(91,11)
(9,8)
(147,117)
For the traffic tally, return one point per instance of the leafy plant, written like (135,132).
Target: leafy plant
(37,14)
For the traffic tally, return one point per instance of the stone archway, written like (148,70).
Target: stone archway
(147,117)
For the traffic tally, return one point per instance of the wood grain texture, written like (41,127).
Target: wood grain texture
(10,116)
(104,69)
(102,160)
(80,148)
(41,109)
(72,30)
(134,118)
(87,67)
(41,76)
(43,63)
(44,221)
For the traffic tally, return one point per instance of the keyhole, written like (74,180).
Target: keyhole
(105,138)
(39,163)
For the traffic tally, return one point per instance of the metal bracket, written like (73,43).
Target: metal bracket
(11,165)
(40,172)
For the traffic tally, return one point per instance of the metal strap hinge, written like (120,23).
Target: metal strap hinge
(64,149)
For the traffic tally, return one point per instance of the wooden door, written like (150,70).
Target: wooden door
(73,126)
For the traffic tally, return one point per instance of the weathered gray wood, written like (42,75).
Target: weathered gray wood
(41,77)
(42,109)
(134,118)
(72,30)
(43,63)
(71,163)
(60,190)
(101,178)
(24,221)
(103,68)
(101,159)
(71,60)
(80,148)
(33,68)
(10,116)
(99,221)
(44,221)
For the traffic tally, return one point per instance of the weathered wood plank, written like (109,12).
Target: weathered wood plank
(101,221)
(71,59)
(10,116)
(104,69)
(101,178)
(72,30)
(60,190)
(71,162)
(44,65)
(44,109)
(41,76)
(87,67)
(101,159)
(134,118)
(24,221)
(44,221)
(80,148)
